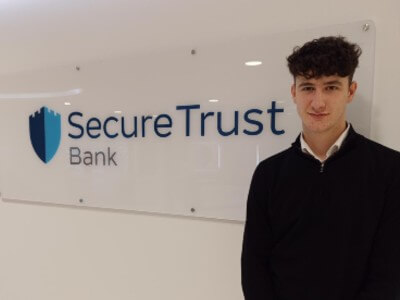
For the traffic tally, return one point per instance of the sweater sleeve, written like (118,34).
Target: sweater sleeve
(257,243)
(382,280)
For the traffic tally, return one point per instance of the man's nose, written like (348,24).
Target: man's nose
(318,102)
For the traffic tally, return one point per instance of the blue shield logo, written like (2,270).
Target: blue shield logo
(45,133)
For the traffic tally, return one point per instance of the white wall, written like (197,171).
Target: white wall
(54,252)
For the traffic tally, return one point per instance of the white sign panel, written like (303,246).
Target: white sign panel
(177,132)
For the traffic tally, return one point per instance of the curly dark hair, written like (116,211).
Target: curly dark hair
(326,56)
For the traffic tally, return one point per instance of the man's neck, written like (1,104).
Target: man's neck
(320,142)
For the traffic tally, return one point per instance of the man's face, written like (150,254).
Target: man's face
(321,102)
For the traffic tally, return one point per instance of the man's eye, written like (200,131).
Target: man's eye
(332,87)
(307,88)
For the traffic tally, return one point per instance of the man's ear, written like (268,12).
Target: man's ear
(352,91)
(293,92)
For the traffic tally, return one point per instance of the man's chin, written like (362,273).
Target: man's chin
(316,128)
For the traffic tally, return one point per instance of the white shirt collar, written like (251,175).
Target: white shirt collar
(334,148)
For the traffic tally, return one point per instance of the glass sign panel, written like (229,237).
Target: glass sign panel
(178,132)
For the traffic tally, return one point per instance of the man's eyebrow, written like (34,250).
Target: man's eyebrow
(306,84)
(337,82)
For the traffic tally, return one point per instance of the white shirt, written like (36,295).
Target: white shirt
(334,148)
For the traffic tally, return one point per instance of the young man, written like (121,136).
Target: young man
(323,216)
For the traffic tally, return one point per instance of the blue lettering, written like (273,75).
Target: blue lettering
(73,124)
(111,136)
(144,119)
(203,119)
(90,127)
(167,125)
(273,111)
(235,129)
(253,122)
(163,123)
(187,108)
(134,129)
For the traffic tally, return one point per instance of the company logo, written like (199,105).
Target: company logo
(45,129)
(45,133)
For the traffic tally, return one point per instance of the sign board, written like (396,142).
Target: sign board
(178,132)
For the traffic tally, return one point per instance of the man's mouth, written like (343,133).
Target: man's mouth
(318,115)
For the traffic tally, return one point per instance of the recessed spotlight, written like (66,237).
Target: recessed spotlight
(117,112)
(253,63)
(67,103)
(213,100)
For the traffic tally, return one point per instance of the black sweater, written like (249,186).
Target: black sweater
(324,232)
